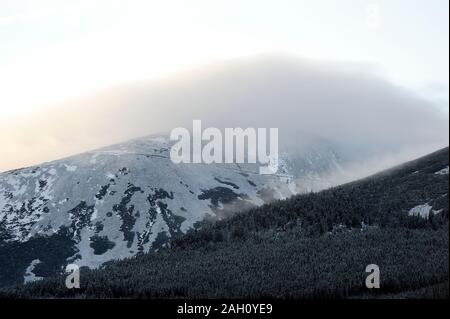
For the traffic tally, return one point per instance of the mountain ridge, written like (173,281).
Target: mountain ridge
(121,200)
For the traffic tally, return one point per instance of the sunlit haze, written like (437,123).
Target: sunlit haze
(55,53)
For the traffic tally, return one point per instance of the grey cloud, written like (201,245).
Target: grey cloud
(357,110)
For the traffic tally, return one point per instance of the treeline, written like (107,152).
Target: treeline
(284,266)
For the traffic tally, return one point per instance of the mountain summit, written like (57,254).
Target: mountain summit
(121,200)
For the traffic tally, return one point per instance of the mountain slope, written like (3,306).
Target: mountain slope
(310,246)
(125,199)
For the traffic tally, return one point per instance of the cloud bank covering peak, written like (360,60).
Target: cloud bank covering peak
(348,105)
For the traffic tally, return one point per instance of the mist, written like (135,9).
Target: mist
(375,123)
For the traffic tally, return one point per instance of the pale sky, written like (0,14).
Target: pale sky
(55,51)
(51,49)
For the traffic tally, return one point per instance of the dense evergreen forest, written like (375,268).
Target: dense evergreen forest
(310,246)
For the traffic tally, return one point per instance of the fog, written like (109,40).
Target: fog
(375,123)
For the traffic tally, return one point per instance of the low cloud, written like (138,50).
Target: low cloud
(353,108)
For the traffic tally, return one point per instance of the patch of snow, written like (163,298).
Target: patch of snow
(114,152)
(110,176)
(94,215)
(158,139)
(70,168)
(443,171)
(29,275)
(94,158)
(18,187)
(420,210)
(3,203)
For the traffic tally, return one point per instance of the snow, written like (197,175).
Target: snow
(94,159)
(443,171)
(114,152)
(110,176)
(94,215)
(3,203)
(15,183)
(158,139)
(420,210)
(29,275)
(70,168)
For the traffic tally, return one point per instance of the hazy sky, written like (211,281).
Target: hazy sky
(52,51)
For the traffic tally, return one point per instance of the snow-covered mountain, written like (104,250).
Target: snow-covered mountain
(115,202)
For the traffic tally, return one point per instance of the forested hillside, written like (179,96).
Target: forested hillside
(310,246)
